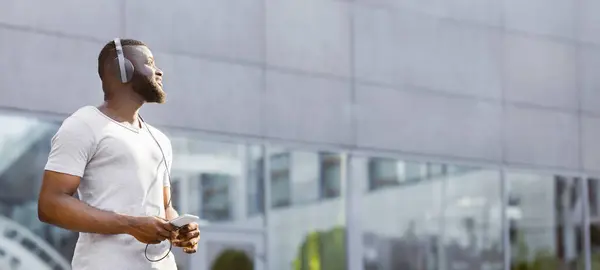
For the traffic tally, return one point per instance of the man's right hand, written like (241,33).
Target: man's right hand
(151,230)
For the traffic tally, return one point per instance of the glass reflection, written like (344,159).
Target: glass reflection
(25,242)
(330,184)
(594,212)
(256,183)
(545,214)
(307,224)
(428,216)
(303,177)
(472,220)
(219,181)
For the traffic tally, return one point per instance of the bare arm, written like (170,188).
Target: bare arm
(171,213)
(57,206)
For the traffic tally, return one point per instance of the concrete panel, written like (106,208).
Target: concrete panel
(224,28)
(546,17)
(488,12)
(307,108)
(471,58)
(427,124)
(540,71)
(378,34)
(209,95)
(100,20)
(589,21)
(434,8)
(589,72)
(309,35)
(541,137)
(396,48)
(590,146)
(48,73)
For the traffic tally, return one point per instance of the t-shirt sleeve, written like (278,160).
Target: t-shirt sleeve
(71,148)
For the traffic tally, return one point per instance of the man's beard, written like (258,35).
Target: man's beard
(148,88)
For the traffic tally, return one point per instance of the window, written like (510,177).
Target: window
(280,180)
(221,179)
(425,217)
(546,221)
(307,220)
(256,184)
(216,193)
(330,166)
(594,226)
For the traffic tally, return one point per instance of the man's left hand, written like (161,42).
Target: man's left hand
(188,237)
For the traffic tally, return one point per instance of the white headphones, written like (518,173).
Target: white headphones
(126,68)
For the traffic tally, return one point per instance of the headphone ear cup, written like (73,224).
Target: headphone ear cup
(129,69)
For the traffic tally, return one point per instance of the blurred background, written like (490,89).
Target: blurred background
(332,134)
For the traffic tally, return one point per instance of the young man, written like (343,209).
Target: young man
(116,162)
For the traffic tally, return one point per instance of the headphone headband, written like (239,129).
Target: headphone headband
(121,58)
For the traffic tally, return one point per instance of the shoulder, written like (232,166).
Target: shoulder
(79,121)
(84,122)
(160,136)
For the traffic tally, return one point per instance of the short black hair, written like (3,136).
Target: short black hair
(109,52)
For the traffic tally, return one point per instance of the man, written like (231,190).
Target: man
(113,159)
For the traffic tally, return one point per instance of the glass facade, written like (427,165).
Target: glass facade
(289,208)
(546,217)
(429,216)
(220,182)
(306,222)
(25,242)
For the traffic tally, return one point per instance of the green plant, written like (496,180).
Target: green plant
(232,259)
(322,251)
(542,260)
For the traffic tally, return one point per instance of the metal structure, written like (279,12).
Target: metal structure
(22,250)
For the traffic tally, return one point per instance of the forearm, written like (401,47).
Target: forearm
(72,214)
(171,213)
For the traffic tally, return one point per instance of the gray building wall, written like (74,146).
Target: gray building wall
(495,81)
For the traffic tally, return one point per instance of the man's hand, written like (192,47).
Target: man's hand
(187,237)
(151,230)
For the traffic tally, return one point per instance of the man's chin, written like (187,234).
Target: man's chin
(157,101)
(159,98)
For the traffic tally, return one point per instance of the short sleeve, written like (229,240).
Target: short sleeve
(71,148)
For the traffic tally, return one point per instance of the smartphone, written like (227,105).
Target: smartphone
(184,220)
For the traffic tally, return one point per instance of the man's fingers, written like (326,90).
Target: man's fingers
(188,235)
(189,227)
(190,243)
(192,235)
(187,244)
(190,250)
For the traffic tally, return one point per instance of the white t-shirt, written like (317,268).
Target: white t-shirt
(122,171)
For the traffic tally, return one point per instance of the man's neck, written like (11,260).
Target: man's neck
(122,109)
